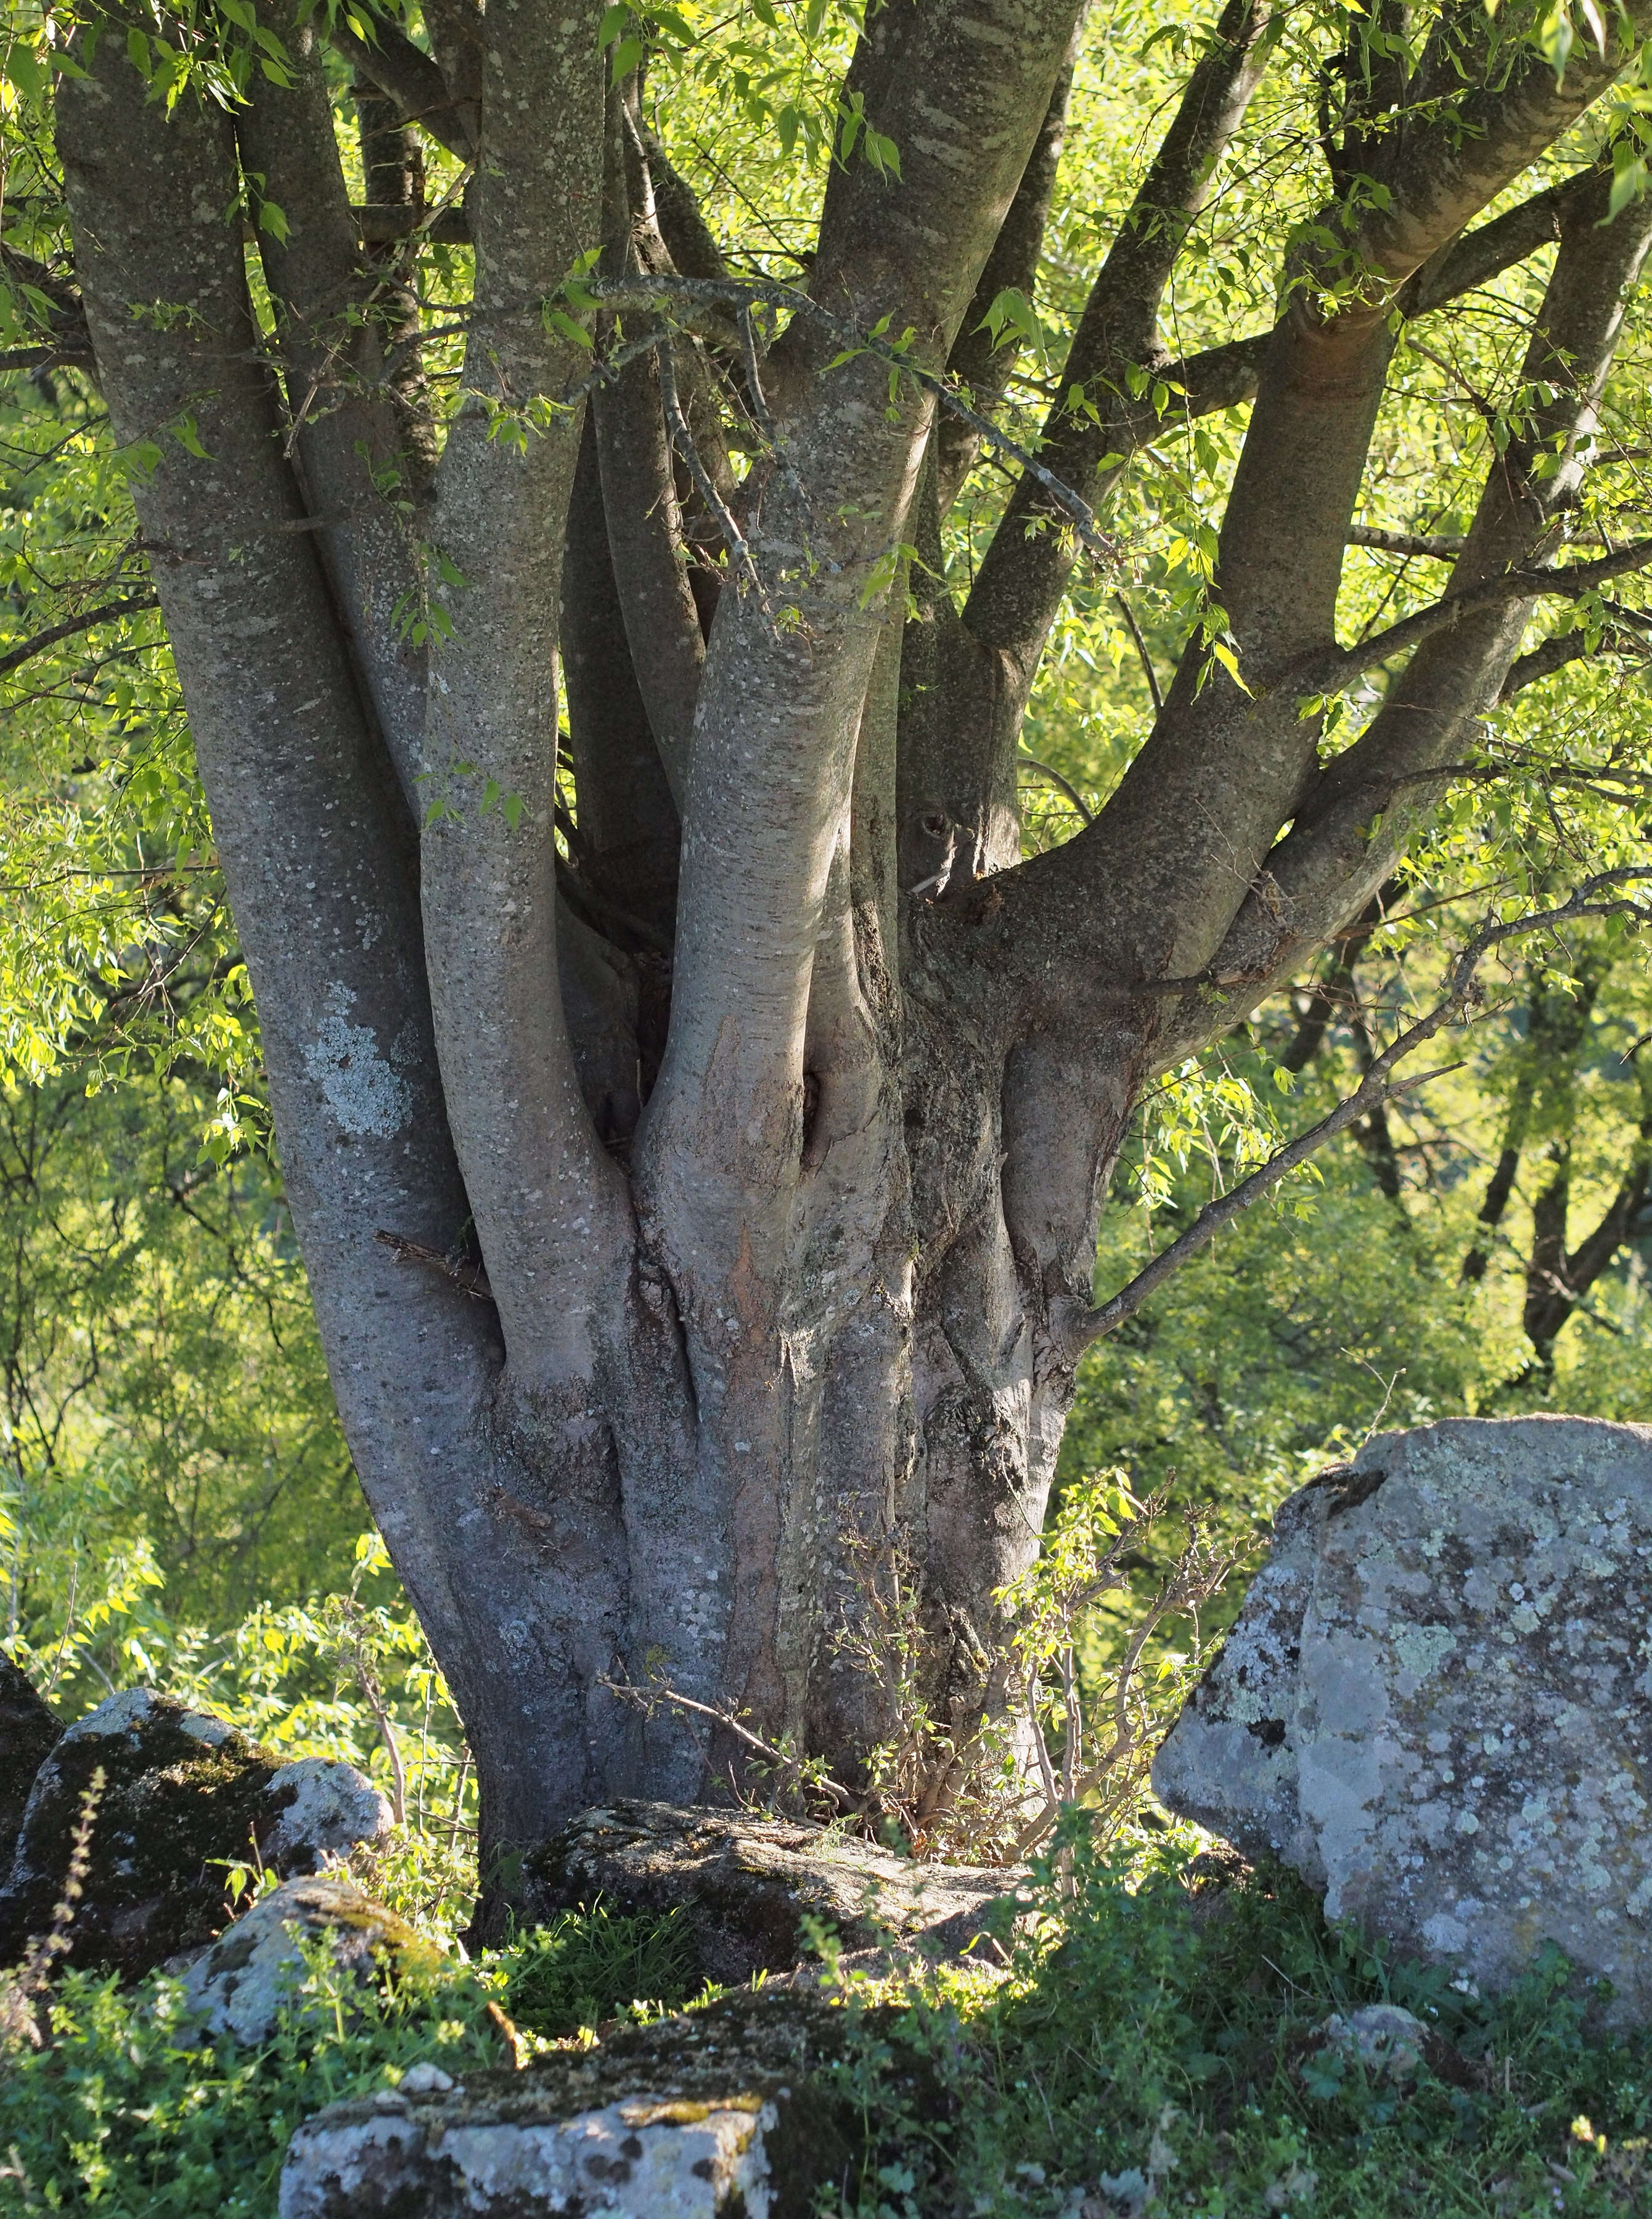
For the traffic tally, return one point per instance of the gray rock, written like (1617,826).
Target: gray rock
(322,1809)
(749,1882)
(720,2111)
(183,1790)
(1385,2041)
(1435,1702)
(28,1733)
(238,1985)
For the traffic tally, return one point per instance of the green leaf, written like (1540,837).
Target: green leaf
(1557,38)
(558,320)
(1627,179)
(613,23)
(23,69)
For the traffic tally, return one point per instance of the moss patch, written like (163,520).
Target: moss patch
(172,1803)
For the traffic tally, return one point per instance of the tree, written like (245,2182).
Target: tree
(1549,1064)
(696,1122)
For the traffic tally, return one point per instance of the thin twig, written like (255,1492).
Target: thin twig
(1338,667)
(458,1795)
(106,614)
(1374,1090)
(683,439)
(760,410)
(1062,785)
(1153,688)
(68,1631)
(647,1699)
(471,1276)
(609,367)
(642,290)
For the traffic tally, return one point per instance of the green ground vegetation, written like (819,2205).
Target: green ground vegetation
(1148,2046)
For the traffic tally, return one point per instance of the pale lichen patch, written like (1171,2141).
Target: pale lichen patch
(365,1092)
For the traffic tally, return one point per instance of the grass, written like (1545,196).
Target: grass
(1146,2051)
(1150,2054)
(589,1966)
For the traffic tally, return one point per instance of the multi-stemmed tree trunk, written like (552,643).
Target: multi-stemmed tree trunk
(754,1118)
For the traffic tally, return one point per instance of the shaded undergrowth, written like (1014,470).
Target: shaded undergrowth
(1147,2050)
(1152,2050)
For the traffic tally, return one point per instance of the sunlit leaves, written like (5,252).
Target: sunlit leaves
(116,949)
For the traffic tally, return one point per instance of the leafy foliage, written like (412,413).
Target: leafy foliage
(168,1421)
(1149,2047)
(1150,2050)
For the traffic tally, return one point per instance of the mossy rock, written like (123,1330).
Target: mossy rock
(748,1884)
(28,1733)
(709,2115)
(184,1794)
(239,1985)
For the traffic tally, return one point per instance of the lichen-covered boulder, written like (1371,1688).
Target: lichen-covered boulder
(748,1883)
(1380,2040)
(29,1731)
(184,1793)
(1437,1701)
(238,1985)
(728,2111)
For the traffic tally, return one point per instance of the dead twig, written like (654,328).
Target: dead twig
(646,288)
(463,1273)
(19,2013)
(807,1774)
(683,440)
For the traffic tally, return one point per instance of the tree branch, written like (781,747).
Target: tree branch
(1478,256)
(412,79)
(981,362)
(550,1206)
(1019,587)
(1436,546)
(1374,1090)
(323,888)
(106,614)
(1330,673)
(1329,861)
(629,831)
(455,34)
(639,492)
(1062,785)
(342,426)
(1565,648)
